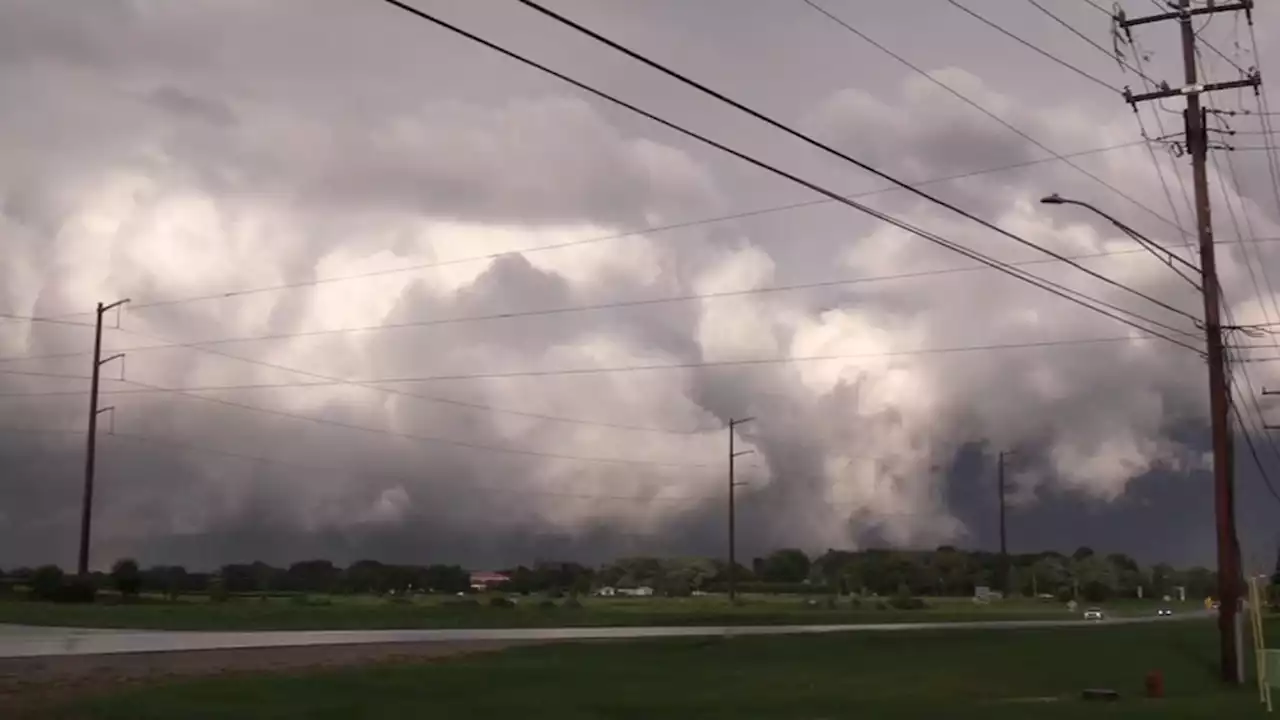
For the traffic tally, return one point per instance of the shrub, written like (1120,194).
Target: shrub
(855,602)
(501,602)
(882,605)
(127,578)
(45,582)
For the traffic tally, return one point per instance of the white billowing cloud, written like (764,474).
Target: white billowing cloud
(189,179)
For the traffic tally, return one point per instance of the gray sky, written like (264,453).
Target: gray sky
(165,151)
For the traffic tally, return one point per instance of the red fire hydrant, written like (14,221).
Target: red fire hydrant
(1155,684)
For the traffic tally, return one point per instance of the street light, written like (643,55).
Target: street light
(1219,385)
(1159,251)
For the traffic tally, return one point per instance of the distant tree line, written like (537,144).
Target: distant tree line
(945,571)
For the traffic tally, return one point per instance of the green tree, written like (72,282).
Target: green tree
(46,581)
(126,577)
(788,565)
(312,576)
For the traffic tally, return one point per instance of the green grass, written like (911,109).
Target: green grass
(952,674)
(365,612)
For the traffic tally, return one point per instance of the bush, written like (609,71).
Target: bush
(127,578)
(572,603)
(547,605)
(56,587)
(855,602)
(882,605)
(45,582)
(501,602)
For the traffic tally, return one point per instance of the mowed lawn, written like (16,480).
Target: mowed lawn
(367,612)
(943,674)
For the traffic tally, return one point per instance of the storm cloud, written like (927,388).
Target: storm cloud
(398,201)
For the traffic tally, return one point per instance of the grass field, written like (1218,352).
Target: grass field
(956,674)
(367,612)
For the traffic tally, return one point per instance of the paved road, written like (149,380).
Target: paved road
(18,641)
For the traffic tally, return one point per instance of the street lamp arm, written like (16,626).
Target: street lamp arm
(1163,253)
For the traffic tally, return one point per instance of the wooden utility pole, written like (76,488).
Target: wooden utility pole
(1229,576)
(733,537)
(91,446)
(1004,545)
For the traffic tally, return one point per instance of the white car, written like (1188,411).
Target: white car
(1164,612)
(1093,613)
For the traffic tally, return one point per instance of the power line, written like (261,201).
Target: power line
(173,443)
(49,320)
(1253,451)
(1087,39)
(605,370)
(1037,49)
(598,239)
(1164,185)
(420,438)
(676,366)
(199,345)
(40,431)
(36,373)
(332,380)
(822,146)
(980,108)
(1245,430)
(1264,111)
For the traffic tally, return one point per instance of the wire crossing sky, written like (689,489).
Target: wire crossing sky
(394,294)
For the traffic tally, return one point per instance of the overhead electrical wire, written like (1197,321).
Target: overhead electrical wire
(1038,49)
(1264,112)
(48,320)
(38,373)
(1025,277)
(200,344)
(330,380)
(510,488)
(747,362)
(1253,450)
(1075,31)
(601,370)
(1240,420)
(144,304)
(808,140)
(982,109)
(424,438)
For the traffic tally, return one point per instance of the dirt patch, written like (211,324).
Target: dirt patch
(29,686)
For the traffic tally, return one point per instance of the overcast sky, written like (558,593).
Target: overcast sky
(370,179)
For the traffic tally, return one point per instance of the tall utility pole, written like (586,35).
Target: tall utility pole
(1004,545)
(733,530)
(1229,577)
(90,453)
